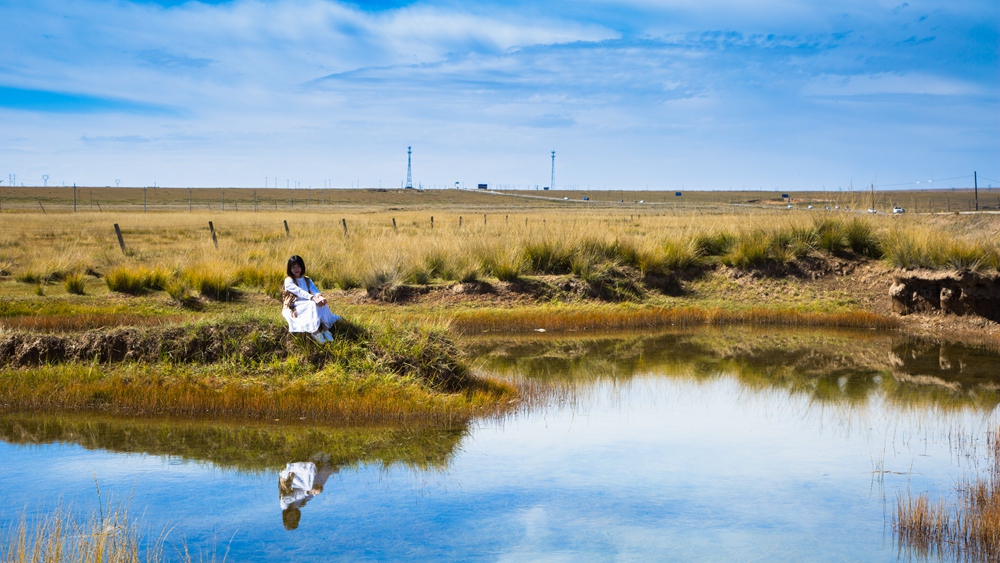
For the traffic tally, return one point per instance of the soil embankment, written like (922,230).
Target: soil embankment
(955,293)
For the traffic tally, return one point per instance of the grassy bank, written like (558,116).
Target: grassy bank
(602,249)
(246,367)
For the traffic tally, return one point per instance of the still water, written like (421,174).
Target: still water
(714,445)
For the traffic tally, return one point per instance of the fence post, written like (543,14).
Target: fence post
(484,218)
(287,234)
(211,227)
(42,206)
(460,221)
(394,224)
(344,222)
(432,221)
(121,241)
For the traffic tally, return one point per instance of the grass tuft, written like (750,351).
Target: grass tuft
(74,283)
(968,530)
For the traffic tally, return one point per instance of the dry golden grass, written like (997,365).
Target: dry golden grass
(966,531)
(616,317)
(253,247)
(109,535)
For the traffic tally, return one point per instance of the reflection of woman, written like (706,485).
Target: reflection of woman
(303,306)
(298,483)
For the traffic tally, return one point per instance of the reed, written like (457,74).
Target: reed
(966,530)
(110,534)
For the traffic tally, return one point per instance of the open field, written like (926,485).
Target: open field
(465,262)
(242,200)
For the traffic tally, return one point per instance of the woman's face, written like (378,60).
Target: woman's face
(296,270)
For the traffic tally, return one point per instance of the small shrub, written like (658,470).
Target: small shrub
(713,244)
(156,278)
(901,250)
(831,236)
(212,282)
(678,256)
(125,280)
(74,283)
(256,276)
(345,280)
(505,266)
(547,257)
(960,255)
(40,290)
(419,274)
(436,265)
(860,237)
(28,277)
(178,291)
(468,273)
(791,243)
(382,283)
(749,251)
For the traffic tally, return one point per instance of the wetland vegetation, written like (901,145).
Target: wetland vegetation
(464,310)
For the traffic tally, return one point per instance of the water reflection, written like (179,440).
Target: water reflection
(298,483)
(240,446)
(844,367)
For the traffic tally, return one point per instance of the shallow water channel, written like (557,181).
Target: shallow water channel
(707,445)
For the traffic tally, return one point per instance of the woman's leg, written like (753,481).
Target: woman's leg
(326,316)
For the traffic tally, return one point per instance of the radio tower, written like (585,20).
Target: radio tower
(552,181)
(409,173)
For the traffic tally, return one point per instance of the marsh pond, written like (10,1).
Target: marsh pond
(730,444)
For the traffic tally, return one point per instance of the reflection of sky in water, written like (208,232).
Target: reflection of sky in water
(655,468)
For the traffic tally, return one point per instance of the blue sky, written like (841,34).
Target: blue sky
(676,94)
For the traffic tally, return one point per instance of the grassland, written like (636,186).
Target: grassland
(398,261)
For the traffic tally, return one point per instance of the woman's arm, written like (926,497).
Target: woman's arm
(317,296)
(312,287)
(294,289)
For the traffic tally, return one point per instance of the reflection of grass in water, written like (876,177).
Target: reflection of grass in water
(829,367)
(966,530)
(246,447)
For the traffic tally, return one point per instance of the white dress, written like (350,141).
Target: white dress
(308,316)
(303,474)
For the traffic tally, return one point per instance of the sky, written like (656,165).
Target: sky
(635,94)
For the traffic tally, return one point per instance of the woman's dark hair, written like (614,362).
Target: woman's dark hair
(295,260)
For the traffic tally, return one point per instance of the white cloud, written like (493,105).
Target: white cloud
(887,83)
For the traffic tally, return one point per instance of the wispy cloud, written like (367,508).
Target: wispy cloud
(613,85)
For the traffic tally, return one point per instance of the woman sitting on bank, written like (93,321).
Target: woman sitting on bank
(303,306)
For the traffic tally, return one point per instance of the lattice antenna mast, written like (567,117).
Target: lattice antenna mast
(409,169)
(552,181)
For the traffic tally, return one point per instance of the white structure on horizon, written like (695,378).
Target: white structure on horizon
(409,172)
(552,180)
